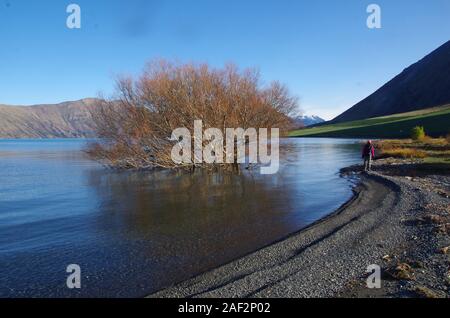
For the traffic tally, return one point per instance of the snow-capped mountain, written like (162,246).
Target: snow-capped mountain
(304,120)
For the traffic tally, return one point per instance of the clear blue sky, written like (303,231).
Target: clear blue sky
(321,49)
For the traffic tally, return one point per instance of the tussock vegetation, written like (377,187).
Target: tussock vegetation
(403,153)
(425,292)
(434,149)
(401,271)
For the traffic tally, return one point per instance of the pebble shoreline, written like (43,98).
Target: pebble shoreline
(385,223)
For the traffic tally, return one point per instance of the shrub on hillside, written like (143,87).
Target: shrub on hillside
(418,133)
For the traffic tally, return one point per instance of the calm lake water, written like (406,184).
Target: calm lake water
(135,233)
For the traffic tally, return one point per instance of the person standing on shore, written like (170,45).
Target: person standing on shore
(367,154)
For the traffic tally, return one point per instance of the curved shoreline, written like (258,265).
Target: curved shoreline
(259,272)
(330,257)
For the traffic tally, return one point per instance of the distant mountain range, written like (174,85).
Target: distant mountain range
(65,120)
(305,121)
(423,85)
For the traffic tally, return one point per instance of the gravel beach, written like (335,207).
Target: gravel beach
(400,223)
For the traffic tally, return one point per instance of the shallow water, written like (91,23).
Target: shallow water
(135,233)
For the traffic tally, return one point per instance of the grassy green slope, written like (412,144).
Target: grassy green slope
(435,120)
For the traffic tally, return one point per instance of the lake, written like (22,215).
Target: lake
(133,233)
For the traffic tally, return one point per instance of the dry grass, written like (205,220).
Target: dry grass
(413,149)
(401,271)
(426,292)
(427,141)
(404,153)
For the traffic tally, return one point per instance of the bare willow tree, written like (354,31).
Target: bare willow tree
(134,126)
